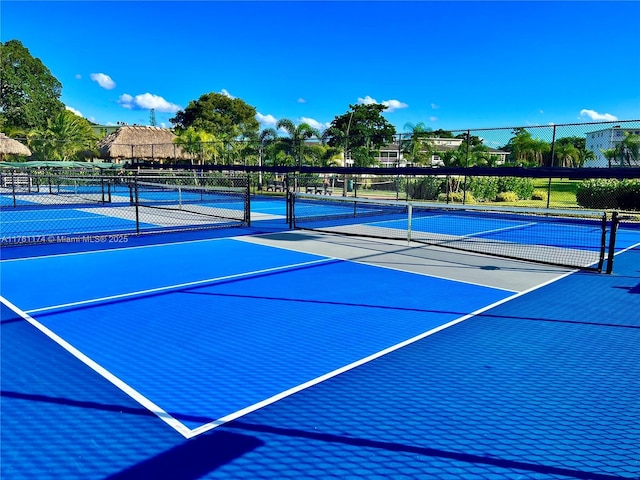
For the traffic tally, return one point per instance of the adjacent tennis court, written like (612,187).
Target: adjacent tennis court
(307,354)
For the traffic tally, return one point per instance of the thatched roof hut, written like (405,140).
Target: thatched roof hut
(141,143)
(9,146)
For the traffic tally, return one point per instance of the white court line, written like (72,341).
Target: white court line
(495,230)
(176,286)
(134,394)
(256,406)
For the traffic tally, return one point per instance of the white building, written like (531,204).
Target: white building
(606,139)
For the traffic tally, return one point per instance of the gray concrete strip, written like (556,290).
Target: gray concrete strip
(512,275)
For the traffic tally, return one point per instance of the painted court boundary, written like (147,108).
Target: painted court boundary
(190,433)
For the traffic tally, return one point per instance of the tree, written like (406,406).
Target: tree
(29,93)
(611,155)
(266,136)
(440,133)
(567,154)
(417,149)
(226,118)
(363,126)
(323,155)
(628,151)
(528,150)
(65,137)
(296,137)
(198,143)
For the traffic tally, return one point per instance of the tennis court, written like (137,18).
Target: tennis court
(264,352)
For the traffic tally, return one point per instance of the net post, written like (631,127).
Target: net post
(615,221)
(136,202)
(409,220)
(290,199)
(13,186)
(247,202)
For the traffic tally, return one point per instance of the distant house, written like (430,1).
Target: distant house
(135,144)
(606,139)
(391,154)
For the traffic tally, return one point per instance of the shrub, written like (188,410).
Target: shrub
(483,188)
(427,188)
(507,197)
(539,195)
(457,197)
(488,188)
(522,187)
(597,193)
(628,195)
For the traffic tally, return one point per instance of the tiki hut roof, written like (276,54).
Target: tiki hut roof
(9,146)
(138,142)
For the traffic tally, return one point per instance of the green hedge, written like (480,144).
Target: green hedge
(488,188)
(607,193)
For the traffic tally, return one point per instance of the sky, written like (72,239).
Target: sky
(447,64)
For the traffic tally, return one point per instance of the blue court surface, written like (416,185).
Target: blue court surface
(246,353)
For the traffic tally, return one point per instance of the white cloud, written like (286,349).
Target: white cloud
(433,119)
(302,100)
(266,119)
(147,101)
(314,123)
(103,80)
(595,116)
(78,76)
(434,106)
(391,105)
(73,110)
(126,101)
(226,93)
(367,100)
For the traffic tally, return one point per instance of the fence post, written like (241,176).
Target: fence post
(553,144)
(615,221)
(464,185)
(135,196)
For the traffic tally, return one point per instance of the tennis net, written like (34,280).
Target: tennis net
(191,204)
(55,190)
(576,239)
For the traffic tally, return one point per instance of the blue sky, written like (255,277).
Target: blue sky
(451,65)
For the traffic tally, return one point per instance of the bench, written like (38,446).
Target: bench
(275,186)
(318,189)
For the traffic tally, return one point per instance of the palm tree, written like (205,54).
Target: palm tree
(297,136)
(198,143)
(628,151)
(266,136)
(611,154)
(585,155)
(567,154)
(66,136)
(539,148)
(418,150)
(527,149)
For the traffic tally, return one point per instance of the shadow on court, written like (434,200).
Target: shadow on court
(192,459)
